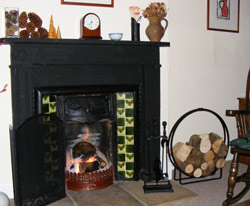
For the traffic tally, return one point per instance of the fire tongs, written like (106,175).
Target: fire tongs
(161,182)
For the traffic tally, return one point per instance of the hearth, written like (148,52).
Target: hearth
(106,90)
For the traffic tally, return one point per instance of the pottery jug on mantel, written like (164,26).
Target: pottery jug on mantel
(155,30)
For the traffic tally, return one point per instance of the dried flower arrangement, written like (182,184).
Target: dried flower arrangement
(155,9)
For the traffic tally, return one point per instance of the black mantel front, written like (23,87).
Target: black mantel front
(56,62)
(68,63)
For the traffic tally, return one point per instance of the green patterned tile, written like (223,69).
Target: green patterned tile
(45,99)
(120,121)
(122,173)
(120,103)
(120,139)
(130,157)
(129,95)
(129,103)
(45,108)
(129,174)
(129,166)
(129,122)
(125,134)
(121,157)
(52,108)
(120,112)
(120,96)
(121,131)
(129,148)
(121,166)
(121,148)
(52,98)
(129,140)
(129,112)
(129,130)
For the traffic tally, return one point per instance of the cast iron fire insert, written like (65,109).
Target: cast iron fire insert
(39,63)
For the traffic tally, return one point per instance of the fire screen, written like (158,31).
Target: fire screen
(38,161)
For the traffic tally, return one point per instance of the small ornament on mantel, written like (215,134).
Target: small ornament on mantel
(135,22)
(52,30)
(156,13)
(30,25)
(58,33)
(53,34)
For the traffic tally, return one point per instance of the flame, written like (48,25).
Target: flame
(77,169)
(91,159)
(77,166)
(85,138)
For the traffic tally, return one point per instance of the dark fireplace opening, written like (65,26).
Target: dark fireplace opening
(101,128)
(89,155)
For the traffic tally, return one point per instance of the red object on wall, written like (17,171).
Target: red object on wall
(4,88)
(224,9)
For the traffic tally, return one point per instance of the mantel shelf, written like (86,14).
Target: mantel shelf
(12,41)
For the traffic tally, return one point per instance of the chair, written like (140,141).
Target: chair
(239,147)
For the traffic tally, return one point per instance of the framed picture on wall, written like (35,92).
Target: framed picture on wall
(223,15)
(104,3)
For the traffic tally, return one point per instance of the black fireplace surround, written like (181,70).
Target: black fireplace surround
(99,66)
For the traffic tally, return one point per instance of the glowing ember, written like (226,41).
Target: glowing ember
(91,159)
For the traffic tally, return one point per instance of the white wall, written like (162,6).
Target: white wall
(5,121)
(201,68)
(206,68)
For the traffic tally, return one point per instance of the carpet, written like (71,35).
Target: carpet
(180,194)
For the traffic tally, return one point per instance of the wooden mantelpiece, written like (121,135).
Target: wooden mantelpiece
(67,64)
(33,54)
(83,42)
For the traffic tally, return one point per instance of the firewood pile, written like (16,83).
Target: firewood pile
(201,155)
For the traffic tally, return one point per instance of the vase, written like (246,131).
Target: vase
(155,30)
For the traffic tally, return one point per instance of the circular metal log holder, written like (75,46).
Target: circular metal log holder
(185,178)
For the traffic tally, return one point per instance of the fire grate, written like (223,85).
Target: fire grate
(89,181)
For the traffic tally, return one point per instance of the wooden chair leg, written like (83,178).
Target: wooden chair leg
(232,180)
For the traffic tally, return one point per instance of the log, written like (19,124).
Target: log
(220,148)
(89,166)
(194,141)
(209,169)
(185,167)
(101,161)
(216,145)
(223,150)
(214,137)
(197,172)
(181,151)
(220,163)
(195,158)
(204,165)
(205,144)
(209,156)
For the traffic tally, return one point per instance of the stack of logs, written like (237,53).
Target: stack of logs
(201,155)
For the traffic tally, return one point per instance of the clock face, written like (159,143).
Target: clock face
(91,22)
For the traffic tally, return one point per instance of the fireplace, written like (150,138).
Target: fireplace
(99,130)
(88,83)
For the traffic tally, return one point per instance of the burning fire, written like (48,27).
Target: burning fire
(78,162)
(91,159)
(86,137)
